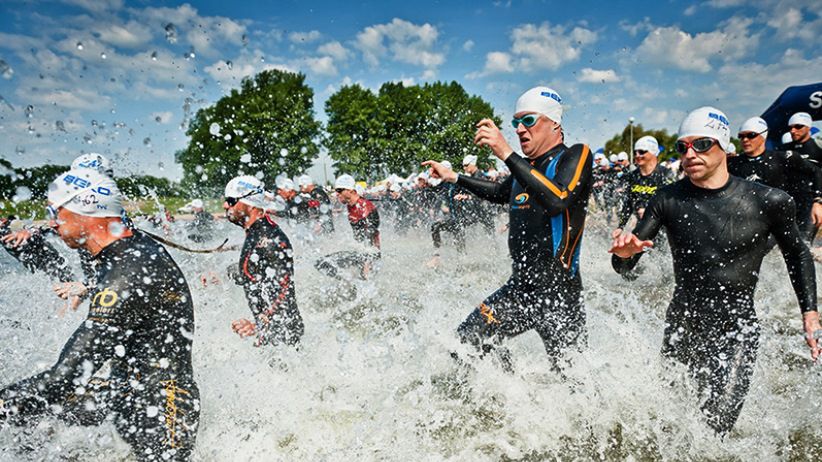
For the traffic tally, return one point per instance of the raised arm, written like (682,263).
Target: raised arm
(627,249)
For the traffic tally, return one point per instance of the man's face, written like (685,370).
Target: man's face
(236,213)
(751,146)
(643,158)
(346,196)
(470,169)
(702,165)
(307,188)
(540,137)
(800,133)
(70,226)
(286,194)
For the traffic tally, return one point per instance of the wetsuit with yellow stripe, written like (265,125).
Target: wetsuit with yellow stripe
(547,199)
(131,358)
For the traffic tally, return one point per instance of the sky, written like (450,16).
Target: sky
(123,78)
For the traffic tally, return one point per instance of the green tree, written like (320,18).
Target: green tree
(622,141)
(372,135)
(266,128)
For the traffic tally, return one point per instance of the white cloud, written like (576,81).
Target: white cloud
(547,47)
(790,23)
(323,66)
(635,28)
(131,35)
(468,45)
(536,47)
(691,10)
(598,76)
(304,37)
(96,6)
(335,50)
(673,47)
(78,98)
(407,43)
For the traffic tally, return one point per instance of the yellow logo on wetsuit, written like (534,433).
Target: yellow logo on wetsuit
(488,313)
(103,301)
(521,198)
(644,189)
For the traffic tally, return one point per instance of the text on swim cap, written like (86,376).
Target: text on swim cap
(553,96)
(719,117)
(77,181)
(90,164)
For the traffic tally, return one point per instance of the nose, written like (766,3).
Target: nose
(521,128)
(226,206)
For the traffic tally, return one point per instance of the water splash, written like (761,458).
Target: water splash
(171,33)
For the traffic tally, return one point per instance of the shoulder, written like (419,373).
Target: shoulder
(579,149)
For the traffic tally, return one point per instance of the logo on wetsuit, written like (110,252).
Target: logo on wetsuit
(644,189)
(520,202)
(103,302)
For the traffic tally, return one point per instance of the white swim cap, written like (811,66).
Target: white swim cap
(345,182)
(196,203)
(787,138)
(613,158)
(86,192)
(285,184)
(709,122)
(248,189)
(542,100)
(755,125)
(93,161)
(731,148)
(801,118)
(447,164)
(469,160)
(622,156)
(304,180)
(647,143)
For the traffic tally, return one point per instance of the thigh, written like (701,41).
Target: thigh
(160,421)
(503,314)
(562,325)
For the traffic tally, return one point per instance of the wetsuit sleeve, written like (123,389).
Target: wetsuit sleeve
(572,178)
(798,258)
(798,164)
(498,193)
(647,229)
(625,203)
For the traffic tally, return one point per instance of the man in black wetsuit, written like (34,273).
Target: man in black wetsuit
(639,185)
(800,130)
(318,204)
(547,193)
(788,171)
(140,325)
(265,269)
(365,222)
(718,227)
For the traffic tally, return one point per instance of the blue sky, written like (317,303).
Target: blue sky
(87,68)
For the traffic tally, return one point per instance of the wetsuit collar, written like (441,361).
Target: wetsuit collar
(710,192)
(115,247)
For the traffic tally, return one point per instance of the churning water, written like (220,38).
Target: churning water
(373,379)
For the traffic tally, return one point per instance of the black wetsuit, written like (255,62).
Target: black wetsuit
(784,170)
(638,189)
(267,276)
(548,200)
(718,239)
(452,221)
(365,222)
(141,325)
(319,209)
(36,254)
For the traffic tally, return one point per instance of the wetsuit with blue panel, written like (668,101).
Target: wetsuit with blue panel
(547,200)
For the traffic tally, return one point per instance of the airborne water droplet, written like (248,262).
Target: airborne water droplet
(29,111)
(103,55)
(171,33)
(180,87)
(214,129)
(79,45)
(154,56)
(147,141)
(5,70)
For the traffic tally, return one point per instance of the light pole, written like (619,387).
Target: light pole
(631,147)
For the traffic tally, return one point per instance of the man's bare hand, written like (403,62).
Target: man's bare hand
(488,134)
(813,333)
(17,238)
(243,328)
(628,245)
(440,171)
(816,214)
(66,290)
